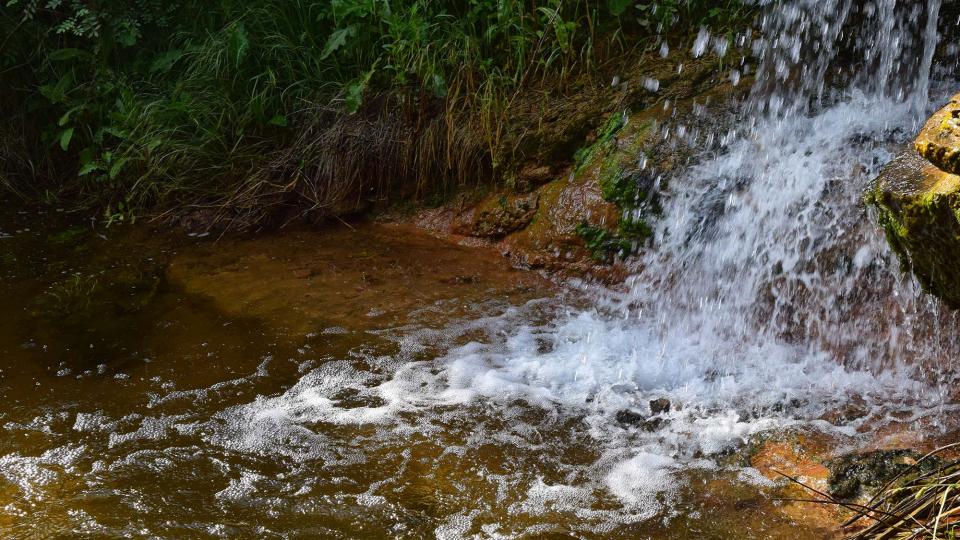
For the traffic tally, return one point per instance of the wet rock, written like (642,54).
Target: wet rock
(535,175)
(660,405)
(850,412)
(919,208)
(853,474)
(498,216)
(629,418)
(939,141)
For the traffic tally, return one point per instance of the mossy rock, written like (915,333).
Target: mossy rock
(499,216)
(919,208)
(616,162)
(939,141)
(604,245)
(853,474)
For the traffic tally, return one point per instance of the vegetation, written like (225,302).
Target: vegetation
(917,503)
(247,108)
(919,499)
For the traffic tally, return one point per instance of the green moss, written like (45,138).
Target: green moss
(922,228)
(604,245)
(585,156)
(634,227)
(614,160)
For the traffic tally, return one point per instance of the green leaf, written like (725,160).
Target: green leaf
(57,93)
(355,90)
(128,33)
(617,7)
(117,166)
(88,168)
(165,61)
(61,55)
(65,118)
(336,40)
(65,137)
(237,44)
(439,85)
(279,121)
(354,96)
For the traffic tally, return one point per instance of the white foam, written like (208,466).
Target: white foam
(688,331)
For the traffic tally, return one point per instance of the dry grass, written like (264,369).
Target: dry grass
(341,164)
(913,505)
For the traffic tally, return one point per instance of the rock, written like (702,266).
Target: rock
(851,474)
(660,405)
(498,216)
(630,418)
(939,141)
(535,175)
(846,414)
(919,208)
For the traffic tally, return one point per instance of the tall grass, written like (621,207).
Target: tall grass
(915,505)
(244,106)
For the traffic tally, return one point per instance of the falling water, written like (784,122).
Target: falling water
(768,241)
(766,300)
(769,297)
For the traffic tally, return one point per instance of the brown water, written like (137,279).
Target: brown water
(142,373)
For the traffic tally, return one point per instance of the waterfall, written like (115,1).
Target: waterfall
(768,240)
(768,299)
(808,47)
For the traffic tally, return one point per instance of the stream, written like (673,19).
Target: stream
(373,381)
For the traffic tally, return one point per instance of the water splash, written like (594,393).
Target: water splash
(769,300)
(812,48)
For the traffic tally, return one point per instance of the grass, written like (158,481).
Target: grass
(912,505)
(263,108)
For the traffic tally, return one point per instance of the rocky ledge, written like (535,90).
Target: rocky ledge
(939,141)
(917,197)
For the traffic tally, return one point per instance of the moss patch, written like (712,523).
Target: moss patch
(604,245)
(919,208)
(617,163)
(939,141)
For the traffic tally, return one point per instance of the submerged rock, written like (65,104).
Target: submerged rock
(919,208)
(627,417)
(939,141)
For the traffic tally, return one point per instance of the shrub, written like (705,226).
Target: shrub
(133,103)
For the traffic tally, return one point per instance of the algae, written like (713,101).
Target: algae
(918,206)
(617,161)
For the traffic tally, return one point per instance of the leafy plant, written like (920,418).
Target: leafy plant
(146,102)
